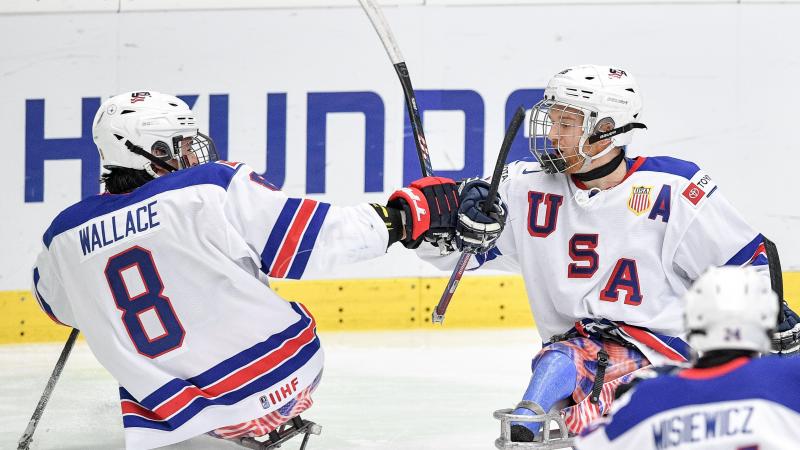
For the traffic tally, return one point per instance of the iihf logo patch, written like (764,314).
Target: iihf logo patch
(639,201)
(264,402)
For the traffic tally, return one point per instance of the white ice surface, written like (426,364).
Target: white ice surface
(380,390)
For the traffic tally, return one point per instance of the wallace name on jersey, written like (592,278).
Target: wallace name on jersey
(118,226)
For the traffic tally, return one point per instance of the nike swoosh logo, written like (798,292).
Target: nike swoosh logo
(530,171)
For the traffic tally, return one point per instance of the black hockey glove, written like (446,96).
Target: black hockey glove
(430,207)
(477,231)
(786,340)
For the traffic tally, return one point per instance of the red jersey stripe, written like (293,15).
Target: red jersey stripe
(233,381)
(292,240)
(653,342)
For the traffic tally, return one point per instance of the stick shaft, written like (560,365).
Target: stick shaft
(441,308)
(390,44)
(27,436)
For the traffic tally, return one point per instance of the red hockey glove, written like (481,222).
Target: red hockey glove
(430,206)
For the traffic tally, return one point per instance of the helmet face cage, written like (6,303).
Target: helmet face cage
(203,149)
(186,151)
(557,132)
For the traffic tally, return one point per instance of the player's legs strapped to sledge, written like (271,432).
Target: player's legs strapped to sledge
(553,379)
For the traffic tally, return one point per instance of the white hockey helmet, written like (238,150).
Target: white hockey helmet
(603,97)
(144,128)
(731,308)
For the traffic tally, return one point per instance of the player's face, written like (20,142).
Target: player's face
(190,159)
(565,135)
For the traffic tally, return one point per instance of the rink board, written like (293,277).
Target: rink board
(352,305)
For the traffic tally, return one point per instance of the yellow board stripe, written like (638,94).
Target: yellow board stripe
(367,304)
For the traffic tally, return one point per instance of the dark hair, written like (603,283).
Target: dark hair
(121,180)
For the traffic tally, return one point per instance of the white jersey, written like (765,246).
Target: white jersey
(169,286)
(626,254)
(719,408)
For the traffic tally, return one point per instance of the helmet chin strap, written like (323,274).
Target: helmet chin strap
(597,137)
(139,151)
(600,172)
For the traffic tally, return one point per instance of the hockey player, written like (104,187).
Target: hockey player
(166,274)
(607,245)
(730,398)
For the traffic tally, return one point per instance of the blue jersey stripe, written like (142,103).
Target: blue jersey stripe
(98,205)
(307,244)
(666,164)
(277,234)
(744,383)
(746,252)
(47,309)
(258,385)
(229,365)
(675,343)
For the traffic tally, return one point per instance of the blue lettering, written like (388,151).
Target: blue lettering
(691,427)
(526,98)
(218,123)
(322,103)
(730,426)
(129,228)
(114,229)
(625,277)
(83,234)
(661,206)
(103,233)
(552,202)
(749,412)
(140,224)
(151,214)
(217,120)
(276,141)
(38,150)
(658,435)
(96,243)
(319,104)
(675,431)
(711,425)
(468,101)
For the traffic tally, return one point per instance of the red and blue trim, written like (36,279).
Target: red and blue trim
(752,254)
(292,239)
(253,370)
(219,174)
(42,303)
(673,348)
(736,381)
(666,164)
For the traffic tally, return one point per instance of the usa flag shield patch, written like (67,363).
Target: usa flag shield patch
(639,201)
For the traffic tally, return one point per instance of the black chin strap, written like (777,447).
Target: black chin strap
(600,172)
(139,151)
(607,134)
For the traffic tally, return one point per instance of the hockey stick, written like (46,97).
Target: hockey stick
(438,314)
(390,44)
(27,436)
